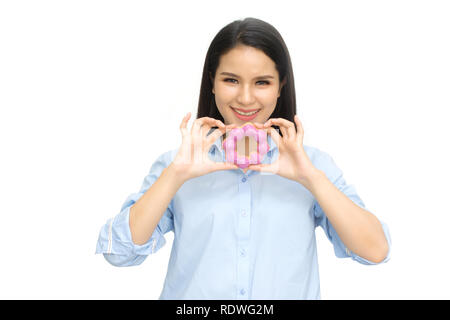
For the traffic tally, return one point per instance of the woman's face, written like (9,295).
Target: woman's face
(246,79)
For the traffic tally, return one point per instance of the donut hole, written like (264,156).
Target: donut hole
(245,146)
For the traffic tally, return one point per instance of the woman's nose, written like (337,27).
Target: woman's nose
(246,96)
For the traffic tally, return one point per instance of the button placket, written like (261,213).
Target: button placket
(243,238)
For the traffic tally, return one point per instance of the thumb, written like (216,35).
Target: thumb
(262,168)
(225,166)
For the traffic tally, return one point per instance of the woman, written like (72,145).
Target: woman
(244,233)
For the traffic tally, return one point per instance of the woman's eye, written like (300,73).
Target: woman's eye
(264,82)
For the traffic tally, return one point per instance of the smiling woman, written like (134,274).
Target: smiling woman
(247,75)
(244,230)
(246,98)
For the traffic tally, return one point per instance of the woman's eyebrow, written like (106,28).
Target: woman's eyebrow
(235,75)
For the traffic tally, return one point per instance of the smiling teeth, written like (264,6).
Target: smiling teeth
(246,114)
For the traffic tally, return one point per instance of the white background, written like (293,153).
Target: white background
(91,92)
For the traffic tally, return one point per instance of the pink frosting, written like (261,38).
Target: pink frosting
(237,134)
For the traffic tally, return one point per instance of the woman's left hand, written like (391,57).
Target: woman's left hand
(293,162)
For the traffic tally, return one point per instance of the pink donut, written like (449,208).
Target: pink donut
(254,158)
(237,134)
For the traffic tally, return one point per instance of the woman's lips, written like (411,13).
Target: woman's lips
(245,118)
(242,110)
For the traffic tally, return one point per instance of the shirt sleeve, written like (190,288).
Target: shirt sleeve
(115,242)
(335,175)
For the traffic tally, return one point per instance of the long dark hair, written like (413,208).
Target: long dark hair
(260,35)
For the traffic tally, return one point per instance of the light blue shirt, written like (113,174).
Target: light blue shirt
(236,235)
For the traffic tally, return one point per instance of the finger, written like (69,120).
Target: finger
(202,140)
(197,138)
(230,127)
(220,124)
(284,132)
(202,127)
(258,125)
(217,166)
(270,168)
(183,125)
(269,123)
(288,126)
(206,129)
(198,123)
(275,136)
(213,136)
(300,131)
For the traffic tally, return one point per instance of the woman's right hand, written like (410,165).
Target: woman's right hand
(192,159)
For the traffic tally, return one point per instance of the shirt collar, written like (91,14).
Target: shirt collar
(217,146)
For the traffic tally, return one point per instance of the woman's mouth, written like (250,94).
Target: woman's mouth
(245,115)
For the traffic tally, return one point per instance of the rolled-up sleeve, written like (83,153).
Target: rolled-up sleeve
(326,163)
(115,242)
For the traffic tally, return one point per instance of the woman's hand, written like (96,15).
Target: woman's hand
(293,162)
(192,159)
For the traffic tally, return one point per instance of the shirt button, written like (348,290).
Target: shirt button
(242,252)
(244,179)
(243,213)
(242,291)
